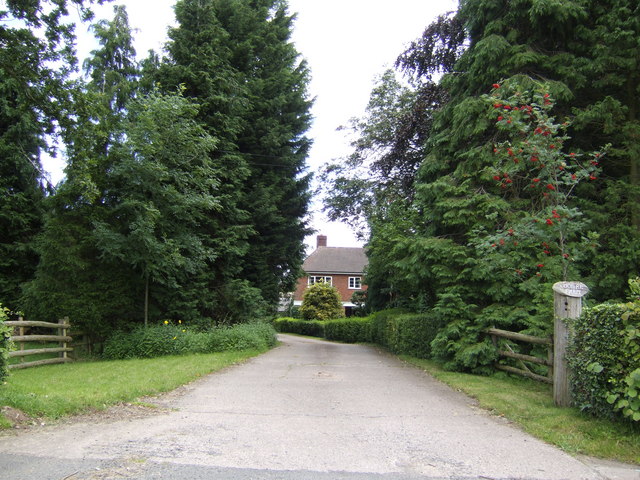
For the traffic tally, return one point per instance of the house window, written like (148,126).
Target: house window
(355,283)
(312,280)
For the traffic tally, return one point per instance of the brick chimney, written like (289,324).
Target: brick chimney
(321,241)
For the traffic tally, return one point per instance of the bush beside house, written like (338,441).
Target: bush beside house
(321,301)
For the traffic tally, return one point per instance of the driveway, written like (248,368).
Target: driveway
(308,409)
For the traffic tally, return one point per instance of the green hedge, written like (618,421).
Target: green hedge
(406,334)
(400,332)
(168,339)
(349,330)
(605,357)
(312,328)
(381,325)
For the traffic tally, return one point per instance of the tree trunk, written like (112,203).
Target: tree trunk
(146,301)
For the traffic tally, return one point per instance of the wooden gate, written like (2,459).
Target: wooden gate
(524,359)
(23,336)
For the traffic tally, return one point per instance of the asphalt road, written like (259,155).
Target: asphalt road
(306,410)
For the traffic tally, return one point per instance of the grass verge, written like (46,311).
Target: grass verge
(530,405)
(58,390)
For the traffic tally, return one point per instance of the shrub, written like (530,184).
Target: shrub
(405,333)
(414,333)
(171,339)
(350,330)
(241,303)
(380,322)
(312,328)
(321,301)
(605,357)
(5,344)
(259,336)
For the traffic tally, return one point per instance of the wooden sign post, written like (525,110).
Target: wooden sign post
(567,298)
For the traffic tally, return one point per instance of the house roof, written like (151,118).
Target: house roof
(336,260)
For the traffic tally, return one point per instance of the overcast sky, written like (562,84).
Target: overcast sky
(347,44)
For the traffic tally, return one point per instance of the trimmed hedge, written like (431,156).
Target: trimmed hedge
(381,325)
(406,334)
(348,330)
(605,357)
(167,339)
(312,328)
(400,332)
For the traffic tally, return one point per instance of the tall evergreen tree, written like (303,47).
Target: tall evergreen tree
(21,140)
(236,60)
(572,49)
(36,57)
(273,142)
(70,278)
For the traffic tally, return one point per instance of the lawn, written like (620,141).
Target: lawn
(530,405)
(57,390)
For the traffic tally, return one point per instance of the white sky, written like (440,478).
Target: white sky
(347,44)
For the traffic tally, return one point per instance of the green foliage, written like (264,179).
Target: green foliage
(321,301)
(240,302)
(177,339)
(508,198)
(380,321)
(381,166)
(405,333)
(312,328)
(237,61)
(184,188)
(539,179)
(5,345)
(70,279)
(359,299)
(259,336)
(349,330)
(604,355)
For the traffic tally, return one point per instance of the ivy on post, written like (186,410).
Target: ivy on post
(567,297)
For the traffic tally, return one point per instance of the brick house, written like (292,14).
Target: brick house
(341,267)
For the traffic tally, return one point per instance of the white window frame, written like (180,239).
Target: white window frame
(355,283)
(313,279)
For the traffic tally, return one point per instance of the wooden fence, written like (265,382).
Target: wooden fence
(521,358)
(23,336)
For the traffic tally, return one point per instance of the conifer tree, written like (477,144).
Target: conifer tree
(36,57)
(236,60)
(583,54)
(70,278)
(273,142)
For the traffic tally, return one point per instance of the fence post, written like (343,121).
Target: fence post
(63,332)
(567,299)
(21,333)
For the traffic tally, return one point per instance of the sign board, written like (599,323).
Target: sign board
(571,289)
